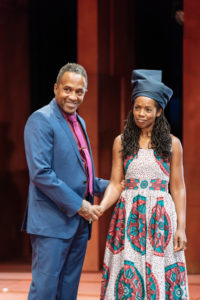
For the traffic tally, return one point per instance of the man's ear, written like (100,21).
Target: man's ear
(55,88)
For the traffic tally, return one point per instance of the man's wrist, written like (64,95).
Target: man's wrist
(85,207)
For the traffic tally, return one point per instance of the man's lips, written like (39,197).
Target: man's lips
(70,104)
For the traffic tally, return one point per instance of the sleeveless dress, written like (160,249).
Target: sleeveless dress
(139,261)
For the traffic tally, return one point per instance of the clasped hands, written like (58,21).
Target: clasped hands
(90,212)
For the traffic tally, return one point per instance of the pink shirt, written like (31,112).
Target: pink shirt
(79,148)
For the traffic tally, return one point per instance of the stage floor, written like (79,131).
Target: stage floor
(15,280)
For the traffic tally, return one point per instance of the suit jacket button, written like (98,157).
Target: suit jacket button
(85,181)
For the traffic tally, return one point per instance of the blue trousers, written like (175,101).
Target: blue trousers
(57,265)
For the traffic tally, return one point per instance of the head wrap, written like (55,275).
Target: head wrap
(149,83)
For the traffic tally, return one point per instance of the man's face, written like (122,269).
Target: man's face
(69,91)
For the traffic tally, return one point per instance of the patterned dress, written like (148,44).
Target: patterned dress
(139,260)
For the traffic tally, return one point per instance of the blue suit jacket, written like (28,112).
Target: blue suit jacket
(57,176)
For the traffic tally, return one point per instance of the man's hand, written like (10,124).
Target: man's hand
(89,212)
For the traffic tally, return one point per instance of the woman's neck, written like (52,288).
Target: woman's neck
(145,139)
(145,133)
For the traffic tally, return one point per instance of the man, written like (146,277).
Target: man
(62,184)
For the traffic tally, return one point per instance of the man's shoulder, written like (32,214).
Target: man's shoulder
(46,112)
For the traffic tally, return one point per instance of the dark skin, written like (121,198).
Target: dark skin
(145,113)
(69,95)
(177,189)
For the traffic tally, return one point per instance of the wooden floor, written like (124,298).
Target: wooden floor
(15,281)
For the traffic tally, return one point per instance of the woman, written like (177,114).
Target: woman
(144,256)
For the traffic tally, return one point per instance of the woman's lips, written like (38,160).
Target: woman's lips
(141,121)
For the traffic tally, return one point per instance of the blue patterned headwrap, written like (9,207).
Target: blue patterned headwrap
(149,83)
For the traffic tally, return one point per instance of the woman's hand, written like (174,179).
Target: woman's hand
(180,240)
(101,209)
(116,184)
(123,184)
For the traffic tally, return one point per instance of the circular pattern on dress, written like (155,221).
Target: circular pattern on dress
(136,226)
(116,232)
(129,283)
(159,228)
(105,280)
(175,286)
(152,286)
(144,184)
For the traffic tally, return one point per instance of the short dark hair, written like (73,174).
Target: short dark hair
(75,68)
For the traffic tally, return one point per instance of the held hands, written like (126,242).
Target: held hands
(180,240)
(123,184)
(90,212)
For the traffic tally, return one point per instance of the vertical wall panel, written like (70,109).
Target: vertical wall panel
(191,128)
(87,54)
(14,109)
(105,49)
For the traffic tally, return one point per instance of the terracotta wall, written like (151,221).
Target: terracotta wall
(191,128)
(88,56)
(106,49)
(14,109)
(104,37)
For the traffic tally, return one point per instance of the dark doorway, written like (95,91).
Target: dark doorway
(159,45)
(53,31)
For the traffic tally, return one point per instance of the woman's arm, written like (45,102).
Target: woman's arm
(177,190)
(114,188)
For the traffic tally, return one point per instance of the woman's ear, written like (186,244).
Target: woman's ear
(159,112)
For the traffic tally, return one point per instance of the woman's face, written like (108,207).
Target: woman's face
(145,112)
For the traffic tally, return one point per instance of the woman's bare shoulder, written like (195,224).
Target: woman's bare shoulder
(118,142)
(176,144)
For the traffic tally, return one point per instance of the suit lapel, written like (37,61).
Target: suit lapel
(66,128)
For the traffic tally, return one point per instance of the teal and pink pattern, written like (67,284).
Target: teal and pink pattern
(136,226)
(116,233)
(176,282)
(105,280)
(139,261)
(159,228)
(152,286)
(129,283)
